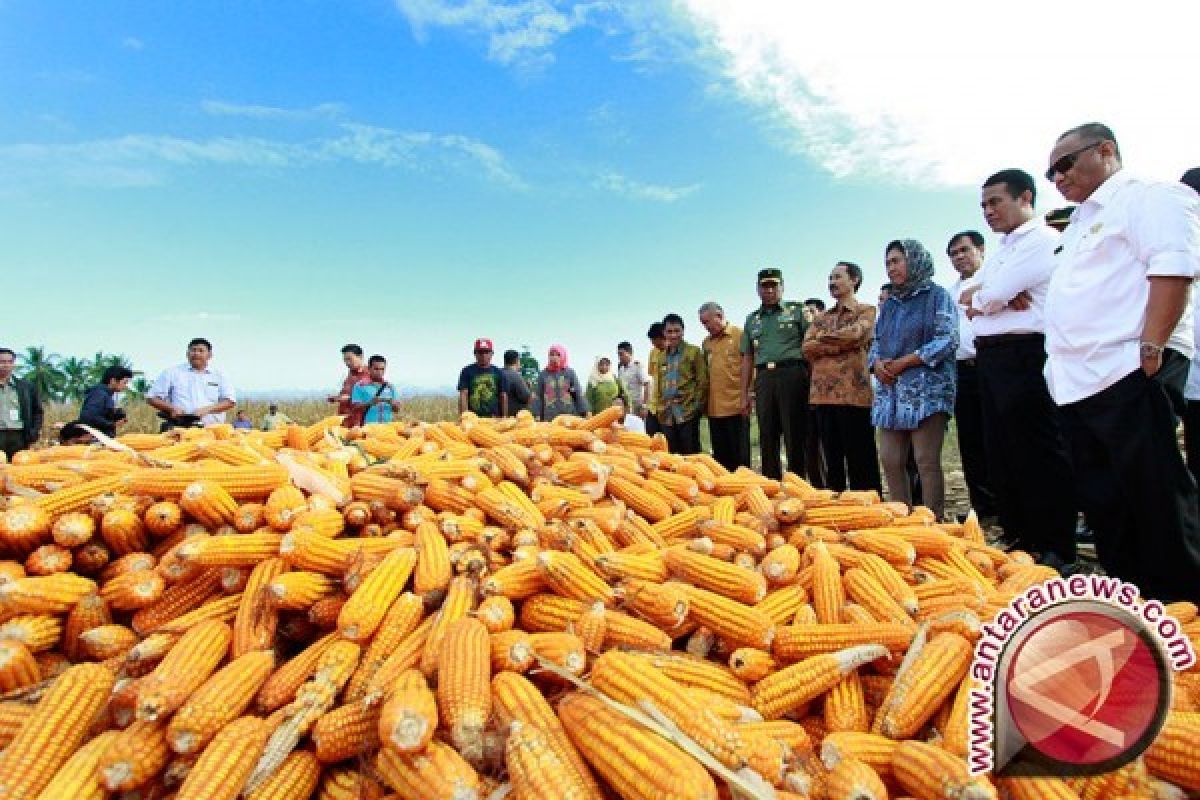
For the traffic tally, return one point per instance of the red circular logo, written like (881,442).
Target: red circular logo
(1086,688)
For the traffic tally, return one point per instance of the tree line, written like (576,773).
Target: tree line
(66,380)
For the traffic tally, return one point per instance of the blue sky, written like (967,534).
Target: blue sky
(411,174)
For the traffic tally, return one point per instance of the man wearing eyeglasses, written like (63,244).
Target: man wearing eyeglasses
(1119,339)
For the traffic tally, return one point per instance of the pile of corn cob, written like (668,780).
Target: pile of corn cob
(488,609)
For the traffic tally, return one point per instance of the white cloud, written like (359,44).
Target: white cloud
(132,43)
(942,93)
(518,32)
(220,108)
(138,160)
(619,184)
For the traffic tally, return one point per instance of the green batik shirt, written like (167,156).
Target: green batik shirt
(690,386)
(775,334)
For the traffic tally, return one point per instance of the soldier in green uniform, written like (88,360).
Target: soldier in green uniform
(772,358)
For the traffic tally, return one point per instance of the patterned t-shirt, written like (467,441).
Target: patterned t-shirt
(483,385)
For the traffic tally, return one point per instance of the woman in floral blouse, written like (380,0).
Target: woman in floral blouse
(836,346)
(912,357)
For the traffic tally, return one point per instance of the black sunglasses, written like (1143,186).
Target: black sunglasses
(1064,164)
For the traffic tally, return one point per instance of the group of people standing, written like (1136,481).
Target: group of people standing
(1064,354)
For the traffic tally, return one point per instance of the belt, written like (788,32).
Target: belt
(1001,339)
(966,362)
(787,362)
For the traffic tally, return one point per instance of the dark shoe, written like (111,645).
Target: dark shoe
(1080,568)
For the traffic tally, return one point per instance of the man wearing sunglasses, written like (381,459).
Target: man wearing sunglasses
(1119,339)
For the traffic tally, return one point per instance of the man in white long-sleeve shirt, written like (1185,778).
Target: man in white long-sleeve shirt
(1119,339)
(1022,438)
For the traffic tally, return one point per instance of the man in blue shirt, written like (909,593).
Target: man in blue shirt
(100,409)
(376,398)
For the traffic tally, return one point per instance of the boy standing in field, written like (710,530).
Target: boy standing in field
(375,399)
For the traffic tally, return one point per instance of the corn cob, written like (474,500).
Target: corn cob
(218,701)
(78,778)
(872,749)
(516,581)
(298,591)
(49,594)
(365,609)
(242,483)
(1172,755)
(135,757)
(189,663)
(108,641)
(845,706)
(1022,788)
(176,601)
(54,731)
(296,778)
(410,715)
(741,624)
(90,612)
(851,779)
(797,642)
(717,576)
(928,680)
(928,772)
(348,783)
(75,498)
(464,685)
(436,773)
(280,689)
(793,686)
(401,619)
(223,767)
(37,632)
(17,666)
(568,576)
(347,731)
(459,602)
(637,763)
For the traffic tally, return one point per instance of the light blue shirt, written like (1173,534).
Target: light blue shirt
(366,393)
(190,389)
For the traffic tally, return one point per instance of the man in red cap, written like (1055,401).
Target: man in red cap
(481,386)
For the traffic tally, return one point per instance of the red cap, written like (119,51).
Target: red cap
(483,344)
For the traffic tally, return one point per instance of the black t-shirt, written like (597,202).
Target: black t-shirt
(483,385)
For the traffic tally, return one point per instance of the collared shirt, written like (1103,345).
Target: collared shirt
(775,333)
(652,363)
(924,323)
(353,378)
(10,407)
(369,393)
(635,380)
(966,337)
(1129,230)
(1024,262)
(190,389)
(836,346)
(724,372)
(681,375)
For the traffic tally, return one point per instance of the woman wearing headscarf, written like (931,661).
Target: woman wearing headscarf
(603,387)
(912,357)
(558,389)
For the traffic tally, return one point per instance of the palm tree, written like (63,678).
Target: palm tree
(77,374)
(41,369)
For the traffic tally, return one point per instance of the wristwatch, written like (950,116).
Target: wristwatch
(1151,350)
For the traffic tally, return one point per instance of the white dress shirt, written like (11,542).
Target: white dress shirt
(966,337)
(1023,262)
(634,423)
(189,389)
(1130,229)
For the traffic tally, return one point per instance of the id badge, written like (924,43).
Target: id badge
(14,415)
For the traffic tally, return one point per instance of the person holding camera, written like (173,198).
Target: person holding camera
(192,395)
(375,400)
(100,409)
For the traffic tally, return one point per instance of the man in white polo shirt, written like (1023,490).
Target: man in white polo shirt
(1022,437)
(1119,340)
(192,391)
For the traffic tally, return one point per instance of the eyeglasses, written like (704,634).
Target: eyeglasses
(1064,164)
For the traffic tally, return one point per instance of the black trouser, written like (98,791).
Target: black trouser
(653,426)
(968,419)
(12,442)
(684,437)
(730,437)
(815,457)
(781,403)
(1191,437)
(1027,458)
(849,444)
(1139,497)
